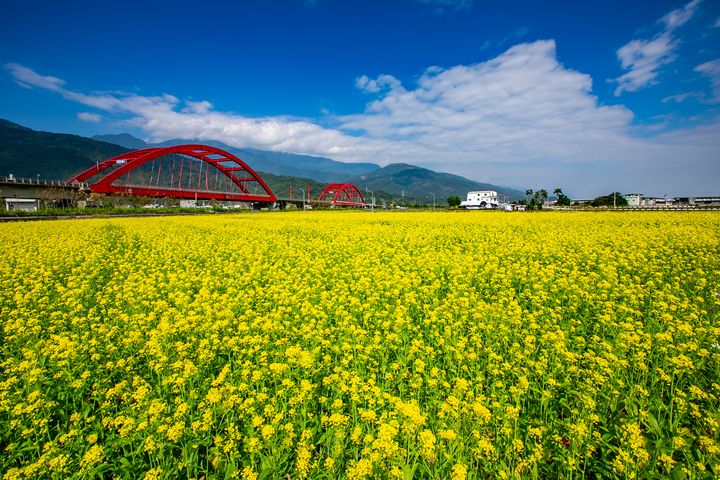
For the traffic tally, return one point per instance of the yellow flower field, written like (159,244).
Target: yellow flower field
(362,345)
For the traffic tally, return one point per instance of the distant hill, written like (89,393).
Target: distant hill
(319,168)
(27,153)
(420,182)
(124,140)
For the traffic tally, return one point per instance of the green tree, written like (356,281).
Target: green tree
(614,198)
(562,199)
(538,199)
(453,201)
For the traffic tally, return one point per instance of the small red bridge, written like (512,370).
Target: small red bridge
(342,195)
(197,172)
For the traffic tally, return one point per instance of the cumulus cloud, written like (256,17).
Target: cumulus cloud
(643,58)
(712,69)
(521,118)
(497,106)
(89,117)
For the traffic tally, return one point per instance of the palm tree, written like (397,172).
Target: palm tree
(562,199)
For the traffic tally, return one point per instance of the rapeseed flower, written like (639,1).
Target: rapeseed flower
(441,345)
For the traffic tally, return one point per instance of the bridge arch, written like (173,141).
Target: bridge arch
(190,171)
(342,195)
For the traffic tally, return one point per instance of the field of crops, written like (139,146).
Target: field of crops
(362,345)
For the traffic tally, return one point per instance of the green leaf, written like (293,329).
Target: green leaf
(677,473)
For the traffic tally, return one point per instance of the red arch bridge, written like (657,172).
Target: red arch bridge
(198,172)
(342,195)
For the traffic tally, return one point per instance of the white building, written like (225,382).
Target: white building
(480,200)
(22,204)
(633,199)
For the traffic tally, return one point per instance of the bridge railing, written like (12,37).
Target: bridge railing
(41,181)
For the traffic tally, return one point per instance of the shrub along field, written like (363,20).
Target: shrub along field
(362,345)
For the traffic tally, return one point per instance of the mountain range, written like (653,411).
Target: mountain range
(396,178)
(27,153)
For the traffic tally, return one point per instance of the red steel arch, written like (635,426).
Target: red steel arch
(223,161)
(342,195)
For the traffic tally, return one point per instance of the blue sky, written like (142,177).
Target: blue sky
(589,96)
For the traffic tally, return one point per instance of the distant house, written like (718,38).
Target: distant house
(479,200)
(23,204)
(640,200)
(633,199)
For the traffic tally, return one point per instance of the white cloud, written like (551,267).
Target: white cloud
(681,97)
(522,99)
(201,107)
(165,117)
(643,58)
(442,6)
(89,117)
(717,23)
(373,86)
(712,69)
(680,16)
(521,118)
(28,78)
